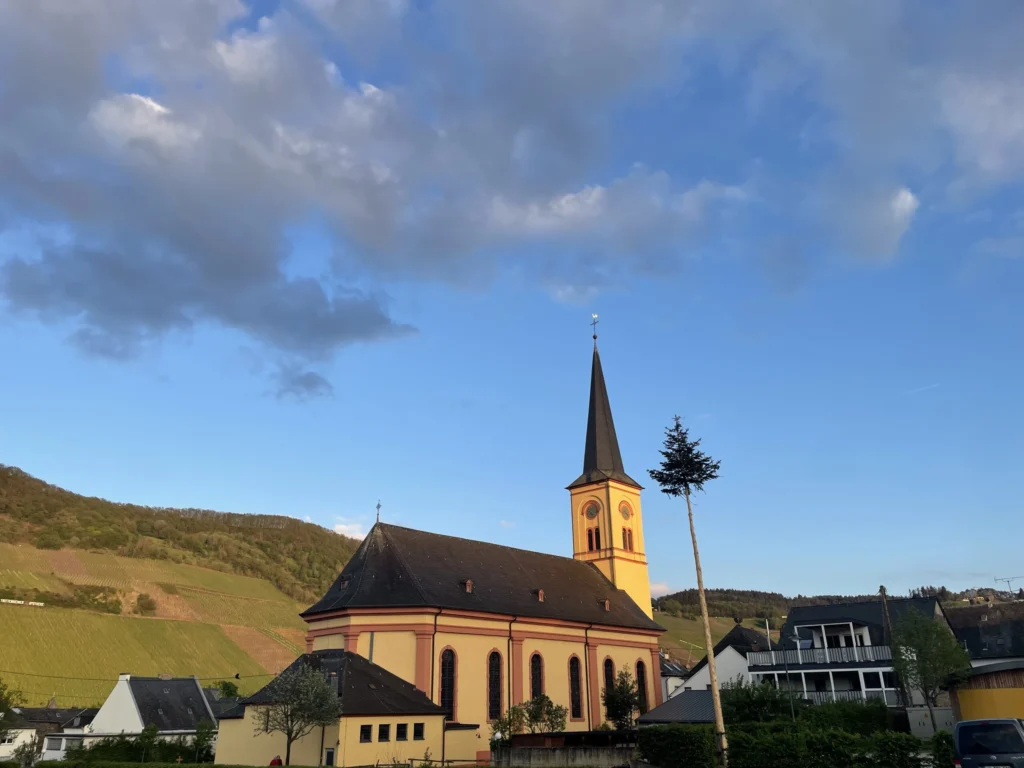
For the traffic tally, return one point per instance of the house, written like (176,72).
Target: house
(840,652)
(993,690)
(673,674)
(992,634)
(175,706)
(731,654)
(685,707)
(40,722)
(383,720)
(16,732)
(479,627)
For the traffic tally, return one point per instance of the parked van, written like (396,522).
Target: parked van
(989,743)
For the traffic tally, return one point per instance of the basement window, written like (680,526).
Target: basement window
(365,734)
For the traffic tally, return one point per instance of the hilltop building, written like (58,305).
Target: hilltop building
(476,627)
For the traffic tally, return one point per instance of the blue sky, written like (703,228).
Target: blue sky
(295,257)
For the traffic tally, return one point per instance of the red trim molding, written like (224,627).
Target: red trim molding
(595,692)
(656,675)
(423,638)
(517,670)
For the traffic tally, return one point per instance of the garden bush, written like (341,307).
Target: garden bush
(677,746)
(896,750)
(864,718)
(942,749)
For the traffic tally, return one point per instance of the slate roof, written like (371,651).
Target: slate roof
(868,613)
(742,639)
(177,704)
(601,457)
(670,669)
(364,688)
(66,717)
(990,632)
(684,707)
(402,567)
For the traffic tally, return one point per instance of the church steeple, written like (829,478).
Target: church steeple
(601,457)
(607,524)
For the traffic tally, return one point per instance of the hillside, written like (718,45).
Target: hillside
(299,559)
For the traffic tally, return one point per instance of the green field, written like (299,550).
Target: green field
(684,638)
(78,644)
(107,570)
(225,609)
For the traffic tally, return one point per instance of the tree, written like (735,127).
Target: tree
(621,700)
(543,716)
(508,725)
(228,689)
(301,700)
(927,657)
(8,699)
(744,702)
(202,742)
(685,468)
(672,607)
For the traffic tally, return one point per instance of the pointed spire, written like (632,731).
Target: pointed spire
(601,457)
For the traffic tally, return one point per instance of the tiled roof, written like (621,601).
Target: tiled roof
(684,707)
(177,704)
(402,567)
(364,688)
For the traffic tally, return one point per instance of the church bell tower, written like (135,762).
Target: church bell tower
(607,523)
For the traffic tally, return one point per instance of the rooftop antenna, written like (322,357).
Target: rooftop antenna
(378,510)
(1008,580)
(593,322)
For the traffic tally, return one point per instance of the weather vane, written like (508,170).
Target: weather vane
(378,510)
(593,322)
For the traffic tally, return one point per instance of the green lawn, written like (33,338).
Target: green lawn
(71,643)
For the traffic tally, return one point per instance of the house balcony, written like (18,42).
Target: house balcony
(855,656)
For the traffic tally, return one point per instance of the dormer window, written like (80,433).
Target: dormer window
(343,582)
(540,595)
(606,604)
(467,586)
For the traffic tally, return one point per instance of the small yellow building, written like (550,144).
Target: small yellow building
(383,720)
(480,627)
(992,691)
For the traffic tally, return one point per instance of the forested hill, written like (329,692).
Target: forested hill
(301,559)
(745,603)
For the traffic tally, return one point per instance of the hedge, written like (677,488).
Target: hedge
(943,751)
(769,745)
(112,764)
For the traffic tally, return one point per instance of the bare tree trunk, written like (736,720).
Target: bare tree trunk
(716,699)
(931,715)
(288,751)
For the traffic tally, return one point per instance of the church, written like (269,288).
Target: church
(473,628)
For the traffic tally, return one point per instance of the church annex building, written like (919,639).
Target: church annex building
(461,630)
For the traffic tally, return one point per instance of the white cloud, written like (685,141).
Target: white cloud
(348,527)
(986,116)
(660,589)
(507,523)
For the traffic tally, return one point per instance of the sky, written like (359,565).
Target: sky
(298,256)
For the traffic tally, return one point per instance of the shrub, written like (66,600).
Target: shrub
(896,750)
(767,748)
(744,702)
(677,746)
(145,604)
(942,749)
(864,718)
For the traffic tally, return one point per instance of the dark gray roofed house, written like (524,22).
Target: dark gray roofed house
(742,640)
(178,704)
(364,688)
(990,633)
(402,567)
(684,707)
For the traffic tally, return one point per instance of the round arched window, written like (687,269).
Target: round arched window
(591,510)
(625,511)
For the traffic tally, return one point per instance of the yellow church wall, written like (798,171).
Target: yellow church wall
(239,744)
(555,655)
(626,658)
(395,651)
(468,744)
(471,653)
(351,751)
(986,703)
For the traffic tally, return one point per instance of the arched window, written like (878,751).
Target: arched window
(448,683)
(641,685)
(494,686)
(609,678)
(597,538)
(630,547)
(625,539)
(575,689)
(590,539)
(536,676)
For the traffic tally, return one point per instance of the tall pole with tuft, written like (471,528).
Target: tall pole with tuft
(684,468)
